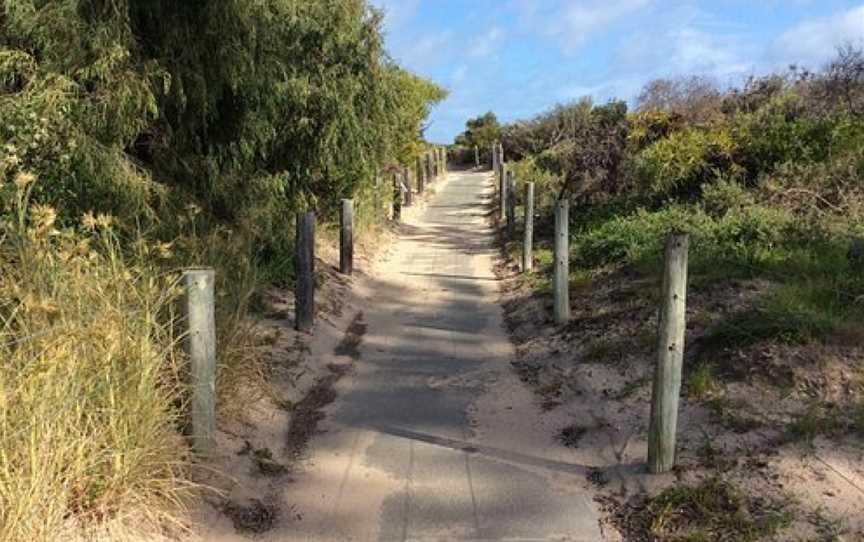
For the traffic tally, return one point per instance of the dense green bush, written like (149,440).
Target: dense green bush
(680,163)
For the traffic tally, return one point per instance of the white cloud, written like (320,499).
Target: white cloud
(812,42)
(572,23)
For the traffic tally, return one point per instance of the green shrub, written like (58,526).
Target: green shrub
(680,163)
(777,133)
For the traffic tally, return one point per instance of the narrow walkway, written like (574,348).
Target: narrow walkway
(398,459)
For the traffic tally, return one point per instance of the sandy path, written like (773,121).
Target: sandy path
(432,437)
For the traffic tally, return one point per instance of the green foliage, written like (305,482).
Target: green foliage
(482,132)
(683,161)
(205,125)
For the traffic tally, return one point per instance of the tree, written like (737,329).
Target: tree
(481,131)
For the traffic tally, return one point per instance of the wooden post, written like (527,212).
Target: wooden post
(421,176)
(304,292)
(346,237)
(476,157)
(397,197)
(502,191)
(511,205)
(444,160)
(528,241)
(561,282)
(200,344)
(407,190)
(670,355)
(495,158)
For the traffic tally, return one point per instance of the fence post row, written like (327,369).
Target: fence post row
(528,240)
(670,355)
(511,204)
(561,282)
(200,345)
(304,259)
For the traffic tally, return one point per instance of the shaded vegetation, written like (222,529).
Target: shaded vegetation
(143,137)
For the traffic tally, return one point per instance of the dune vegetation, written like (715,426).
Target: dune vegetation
(138,138)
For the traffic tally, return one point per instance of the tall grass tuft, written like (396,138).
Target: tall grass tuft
(90,387)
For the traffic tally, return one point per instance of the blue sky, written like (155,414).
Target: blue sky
(520,57)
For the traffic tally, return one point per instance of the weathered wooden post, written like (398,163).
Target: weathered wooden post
(304,258)
(346,237)
(495,158)
(200,344)
(407,191)
(528,240)
(502,190)
(421,176)
(444,160)
(397,197)
(561,282)
(476,157)
(670,355)
(511,205)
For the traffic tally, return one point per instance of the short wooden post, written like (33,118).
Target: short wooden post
(670,355)
(304,291)
(528,240)
(476,157)
(561,282)
(511,205)
(346,237)
(200,344)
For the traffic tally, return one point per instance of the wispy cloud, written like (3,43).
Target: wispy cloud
(573,23)
(811,42)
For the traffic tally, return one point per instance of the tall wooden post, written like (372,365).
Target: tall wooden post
(561,282)
(346,237)
(476,157)
(511,205)
(670,355)
(200,345)
(304,291)
(528,241)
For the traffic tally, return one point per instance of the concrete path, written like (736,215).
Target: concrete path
(402,456)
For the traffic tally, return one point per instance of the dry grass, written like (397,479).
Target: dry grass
(90,387)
